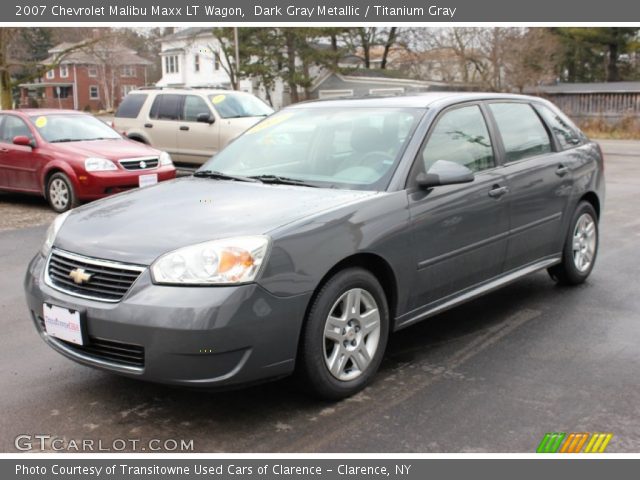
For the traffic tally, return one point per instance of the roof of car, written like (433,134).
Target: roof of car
(195,90)
(421,100)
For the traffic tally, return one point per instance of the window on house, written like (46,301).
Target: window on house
(92,71)
(64,71)
(94,93)
(128,71)
(171,64)
(62,92)
(196,62)
(51,74)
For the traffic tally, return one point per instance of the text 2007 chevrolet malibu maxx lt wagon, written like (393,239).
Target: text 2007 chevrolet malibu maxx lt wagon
(315,234)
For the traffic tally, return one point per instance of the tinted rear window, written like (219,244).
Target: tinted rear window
(522,131)
(130,106)
(565,134)
(166,107)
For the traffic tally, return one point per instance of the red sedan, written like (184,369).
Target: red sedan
(70,156)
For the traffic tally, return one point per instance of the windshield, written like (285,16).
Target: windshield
(72,128)
(351,148)
(229,105)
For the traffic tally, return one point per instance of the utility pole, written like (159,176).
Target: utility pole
(237,47)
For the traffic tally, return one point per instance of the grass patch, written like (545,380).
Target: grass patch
(628,128)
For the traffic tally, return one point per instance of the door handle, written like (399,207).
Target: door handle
(561,171)
(497,191)
(4,150)
(184,127)
(148,125)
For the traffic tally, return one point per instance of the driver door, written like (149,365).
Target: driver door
(459,231)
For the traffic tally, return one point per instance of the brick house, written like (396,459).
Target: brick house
(93,78)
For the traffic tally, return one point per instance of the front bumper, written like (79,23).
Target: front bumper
(193,336)
(95,185)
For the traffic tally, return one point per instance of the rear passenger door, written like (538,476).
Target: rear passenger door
(538,179)
(459,231)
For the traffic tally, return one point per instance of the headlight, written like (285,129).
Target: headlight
(93,164)
(52,232)
(225,261)
(165,159)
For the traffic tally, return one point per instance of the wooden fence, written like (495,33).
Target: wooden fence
(609,106)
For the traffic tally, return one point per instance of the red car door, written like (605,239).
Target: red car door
(18,163)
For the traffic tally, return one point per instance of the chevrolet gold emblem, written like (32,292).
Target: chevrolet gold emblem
(80,276)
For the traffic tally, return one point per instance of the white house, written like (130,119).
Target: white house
(191,58)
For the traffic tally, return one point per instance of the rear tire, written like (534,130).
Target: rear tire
(344,336)
(580,247)
(60,193)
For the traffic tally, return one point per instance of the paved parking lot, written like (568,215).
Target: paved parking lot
(491,376)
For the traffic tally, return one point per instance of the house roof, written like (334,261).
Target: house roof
(189,32)
(576,88)
(91,54)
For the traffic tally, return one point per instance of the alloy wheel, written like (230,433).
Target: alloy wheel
(584,242)
(351,334)
(59,193)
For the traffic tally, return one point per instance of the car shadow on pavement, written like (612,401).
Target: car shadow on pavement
(278,416)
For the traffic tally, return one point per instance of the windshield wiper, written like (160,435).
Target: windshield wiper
(282,180)
(62,140)
(223,176)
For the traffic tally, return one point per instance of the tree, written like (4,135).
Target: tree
(594,53)
(19,64)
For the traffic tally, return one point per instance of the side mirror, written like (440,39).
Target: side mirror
(24,141)
(205,118)
(444,172)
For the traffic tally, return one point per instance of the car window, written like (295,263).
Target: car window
(131,105)
(72,127)
(229,105)
(522,131)
(564,133)
(13,126)
(460,136)
(193,106)
(341,147)
(166,107)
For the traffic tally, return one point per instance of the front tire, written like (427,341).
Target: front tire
(60,193)
(345,335)
(580,247)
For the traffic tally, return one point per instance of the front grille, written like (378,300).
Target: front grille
(109,281)
(139,163)
(112,351)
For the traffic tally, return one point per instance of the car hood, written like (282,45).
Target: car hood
(140,225)
(112,149)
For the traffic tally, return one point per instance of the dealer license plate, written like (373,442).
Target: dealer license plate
(147,180)
(63,323)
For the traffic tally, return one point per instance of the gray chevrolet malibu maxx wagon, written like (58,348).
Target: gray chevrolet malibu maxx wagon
(321,230)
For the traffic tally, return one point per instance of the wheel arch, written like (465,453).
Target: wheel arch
(57,168)
(137,137)
(377,266)
(593,199)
